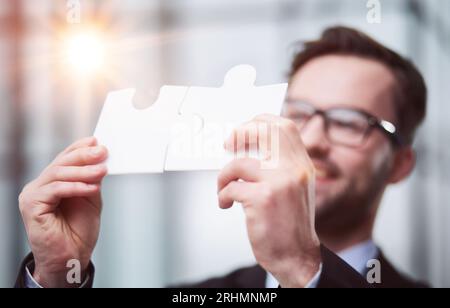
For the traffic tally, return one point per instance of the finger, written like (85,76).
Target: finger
(83,157)
(86,174)
(55,191)
(245,169)
(240,136)
(236,192)
(278,133)
(270,118)
(246,136)
(85,142)
(287,126)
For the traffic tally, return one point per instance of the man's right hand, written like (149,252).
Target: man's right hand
(61,211)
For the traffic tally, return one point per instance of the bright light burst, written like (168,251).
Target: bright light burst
(85,52)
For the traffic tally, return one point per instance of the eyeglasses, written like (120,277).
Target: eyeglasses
(343,126)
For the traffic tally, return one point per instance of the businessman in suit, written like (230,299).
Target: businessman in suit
(347,130)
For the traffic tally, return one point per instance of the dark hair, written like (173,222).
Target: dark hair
(410,95)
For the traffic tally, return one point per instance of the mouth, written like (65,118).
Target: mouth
(322,176)
(321,173)
(324,173)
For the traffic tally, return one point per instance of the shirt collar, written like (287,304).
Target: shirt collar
(358,255)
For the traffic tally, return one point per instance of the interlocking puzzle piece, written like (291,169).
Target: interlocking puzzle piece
(137,140)
(165,137)
(221,110)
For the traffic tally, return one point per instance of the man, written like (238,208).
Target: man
(341,86)
(346,133)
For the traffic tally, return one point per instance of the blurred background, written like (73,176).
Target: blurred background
(58,62)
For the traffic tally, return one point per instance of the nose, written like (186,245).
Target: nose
(314,137)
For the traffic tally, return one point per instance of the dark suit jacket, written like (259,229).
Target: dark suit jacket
(335,274)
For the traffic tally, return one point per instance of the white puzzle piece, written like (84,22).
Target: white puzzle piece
(185,128)
(220,110)
(137,140)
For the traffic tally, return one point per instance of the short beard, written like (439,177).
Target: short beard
(349,210)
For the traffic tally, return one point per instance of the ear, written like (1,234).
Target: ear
(403,164)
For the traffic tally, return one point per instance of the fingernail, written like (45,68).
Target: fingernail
(99,168)
(97,151)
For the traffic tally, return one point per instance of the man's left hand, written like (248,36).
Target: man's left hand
(277,194)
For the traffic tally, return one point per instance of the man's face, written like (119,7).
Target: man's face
(350,180)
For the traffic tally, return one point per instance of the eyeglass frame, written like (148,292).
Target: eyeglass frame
(386,127)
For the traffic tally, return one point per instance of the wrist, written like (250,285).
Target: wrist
(299,271)
(57,279)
